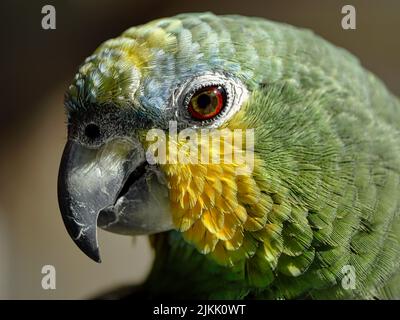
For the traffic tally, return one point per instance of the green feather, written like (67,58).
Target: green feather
(329,135)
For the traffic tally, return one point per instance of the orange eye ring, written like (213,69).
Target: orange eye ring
(207,102)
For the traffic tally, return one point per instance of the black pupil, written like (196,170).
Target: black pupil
(92,131)
(203,101)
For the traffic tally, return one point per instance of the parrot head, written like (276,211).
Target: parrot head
(141,101)
(150,77)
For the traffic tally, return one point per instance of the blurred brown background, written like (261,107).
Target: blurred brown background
(36,67)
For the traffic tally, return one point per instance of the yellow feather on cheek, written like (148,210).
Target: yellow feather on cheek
(211,204)
(225,210)
(213,220)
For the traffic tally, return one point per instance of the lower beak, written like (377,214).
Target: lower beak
(89,181)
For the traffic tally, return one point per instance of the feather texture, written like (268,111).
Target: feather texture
(324,192)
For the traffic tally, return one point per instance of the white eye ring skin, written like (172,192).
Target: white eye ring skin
(236,94)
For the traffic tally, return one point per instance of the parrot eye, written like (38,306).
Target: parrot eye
(207,102)
(208,99)
(92,131)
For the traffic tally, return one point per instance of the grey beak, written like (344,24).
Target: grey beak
(90,180)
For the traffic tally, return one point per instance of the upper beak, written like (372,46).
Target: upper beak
(90,180)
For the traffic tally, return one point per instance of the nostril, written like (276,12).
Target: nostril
(92,131)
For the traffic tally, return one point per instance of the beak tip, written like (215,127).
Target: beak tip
(95,256)
(98,260)
(90,249)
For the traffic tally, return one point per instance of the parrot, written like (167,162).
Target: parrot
(313,210)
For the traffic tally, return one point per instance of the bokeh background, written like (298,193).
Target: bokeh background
(36,67)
